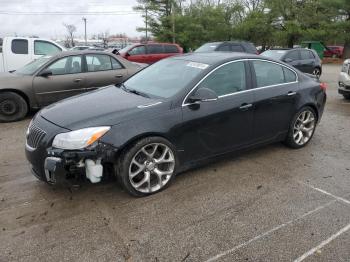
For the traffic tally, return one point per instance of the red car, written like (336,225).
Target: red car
(333,51)
(149,53)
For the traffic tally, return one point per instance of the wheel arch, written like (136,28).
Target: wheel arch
(20,93)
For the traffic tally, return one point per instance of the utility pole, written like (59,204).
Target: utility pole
(146,24)
(84,19)
(173,20)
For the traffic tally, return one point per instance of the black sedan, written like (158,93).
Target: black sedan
(306,60)
(172,115)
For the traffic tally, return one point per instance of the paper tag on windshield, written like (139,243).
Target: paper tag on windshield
(197,65)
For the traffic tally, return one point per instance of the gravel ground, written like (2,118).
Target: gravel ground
(269,204)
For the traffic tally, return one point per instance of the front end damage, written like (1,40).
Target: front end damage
(63,165)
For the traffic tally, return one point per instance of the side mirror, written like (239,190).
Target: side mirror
(45,73)
(203,95)
(288,60)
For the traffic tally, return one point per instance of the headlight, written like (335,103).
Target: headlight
(79,139)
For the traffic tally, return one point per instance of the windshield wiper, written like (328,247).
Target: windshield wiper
(133,91)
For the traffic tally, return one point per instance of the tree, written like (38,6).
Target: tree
(71,29)
(104,36)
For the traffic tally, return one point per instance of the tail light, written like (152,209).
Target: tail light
(323,86)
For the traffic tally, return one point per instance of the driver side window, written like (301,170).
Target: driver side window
(228,79)
(66,65)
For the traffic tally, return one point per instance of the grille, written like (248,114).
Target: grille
(35,135)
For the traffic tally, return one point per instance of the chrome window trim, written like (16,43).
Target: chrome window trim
(243,91)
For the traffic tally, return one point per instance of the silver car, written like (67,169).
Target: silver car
(53,78)
(344,80)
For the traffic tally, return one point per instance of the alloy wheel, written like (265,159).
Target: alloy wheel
(304,127)
(151,168)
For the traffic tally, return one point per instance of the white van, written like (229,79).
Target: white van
(19,51)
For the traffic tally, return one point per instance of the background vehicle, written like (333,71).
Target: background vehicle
(334,51)
(187,109)
(49,79)
(18,51)
(149,53)
(231,46)
(306,60)
(344,80)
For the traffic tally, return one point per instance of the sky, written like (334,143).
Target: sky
(40,18)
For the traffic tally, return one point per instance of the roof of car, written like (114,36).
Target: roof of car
(212,58)
(79,52)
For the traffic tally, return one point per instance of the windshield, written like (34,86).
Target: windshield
(275,54)
(33,66)
(165,78)
(207,47)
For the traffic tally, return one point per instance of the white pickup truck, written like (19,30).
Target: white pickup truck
(16,52)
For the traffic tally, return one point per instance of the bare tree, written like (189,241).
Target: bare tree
(71,29)
(104,37)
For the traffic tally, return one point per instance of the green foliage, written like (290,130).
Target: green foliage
(263,22)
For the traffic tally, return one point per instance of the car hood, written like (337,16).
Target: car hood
(107,106)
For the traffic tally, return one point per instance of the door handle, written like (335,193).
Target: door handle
(118,76)
(77,80)
(291,93)
(245,106)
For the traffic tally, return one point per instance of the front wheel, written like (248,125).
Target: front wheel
(302,128)
(12,107)
(147,167)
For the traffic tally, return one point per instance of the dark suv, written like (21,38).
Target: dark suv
(306,60)
(231,46)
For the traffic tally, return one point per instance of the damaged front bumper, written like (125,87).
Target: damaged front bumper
(62,165)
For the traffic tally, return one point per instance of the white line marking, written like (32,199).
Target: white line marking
(267,232)
(323,243)
(326,193)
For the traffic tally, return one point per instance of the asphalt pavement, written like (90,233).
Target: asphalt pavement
(268,204)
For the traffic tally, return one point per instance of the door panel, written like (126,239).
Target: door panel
(216,127)
(57,87)
(219,126)
(273,110)
(274,99)
(67,79)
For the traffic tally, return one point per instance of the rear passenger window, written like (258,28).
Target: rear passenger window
(97,63)
(116,64)
(228,79)
(224,48)
(268,74)
(311,55)
(305,54)
(170,49)
(19,46)
(155,49)
(294,55)
(237,48)
(289,75)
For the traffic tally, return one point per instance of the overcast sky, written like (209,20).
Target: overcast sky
(121,18)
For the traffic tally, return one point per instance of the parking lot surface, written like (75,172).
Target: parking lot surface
(268,204)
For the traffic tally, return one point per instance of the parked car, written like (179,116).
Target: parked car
(172,115)
(52,78)
(149,53)
(306,60)
(344,80)
(19,51)
(228,46)
(334,51)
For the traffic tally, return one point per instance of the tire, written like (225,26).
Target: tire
(12,107)
(159,165)
(300,130)
(346,97)
(317,72)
